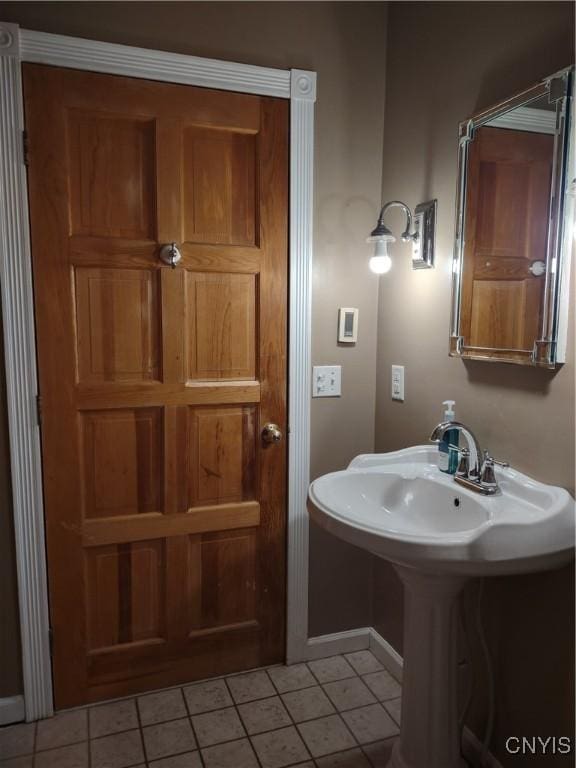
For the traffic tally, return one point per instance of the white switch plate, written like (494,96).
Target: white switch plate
(398,382)
(327,381)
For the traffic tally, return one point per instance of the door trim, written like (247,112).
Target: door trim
(299,86)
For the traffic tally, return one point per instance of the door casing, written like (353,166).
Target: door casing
(16,46)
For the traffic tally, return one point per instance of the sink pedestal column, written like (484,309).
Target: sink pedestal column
(429,733)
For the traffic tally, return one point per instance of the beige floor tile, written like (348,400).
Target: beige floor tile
(379,752)
(204,697)
(383,685)
(62,729)
(370,723)
(308,704)
(333,668)
(162,706)
(115,717)
(264,715)
(394,707)
(276,749)
(254,685)
(74,756)
(291,678)
(363,662)
(349,694)
(117,751)
(216,727)
(18,762)
(353,758)
(329,734)
(166,739)
(187,760)
(233,754)
(16,740)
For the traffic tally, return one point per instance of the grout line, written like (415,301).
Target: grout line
(141,730)
(312,719)
(34,740)
(235,705)
(88,746)
(200,756)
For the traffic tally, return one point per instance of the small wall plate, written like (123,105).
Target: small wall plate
(425,225)
(347,325)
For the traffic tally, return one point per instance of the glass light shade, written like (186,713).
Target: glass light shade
(381,262)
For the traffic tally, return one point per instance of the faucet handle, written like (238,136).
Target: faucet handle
(492,460)
(464,463)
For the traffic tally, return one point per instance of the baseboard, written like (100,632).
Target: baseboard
(12,710)
(339,642)
(386,654)
(368,638)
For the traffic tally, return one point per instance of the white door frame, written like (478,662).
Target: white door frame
(18,45)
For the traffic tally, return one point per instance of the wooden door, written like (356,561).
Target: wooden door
(507,206)
(165,511)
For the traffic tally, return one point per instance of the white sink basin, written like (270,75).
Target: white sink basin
(401,507)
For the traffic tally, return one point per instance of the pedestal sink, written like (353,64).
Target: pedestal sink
(438,535)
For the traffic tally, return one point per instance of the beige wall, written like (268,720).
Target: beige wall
(345,44)
(445,61)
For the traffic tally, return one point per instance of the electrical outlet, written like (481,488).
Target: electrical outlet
(398,382)
(327,381)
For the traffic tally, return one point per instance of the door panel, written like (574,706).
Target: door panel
(165,513)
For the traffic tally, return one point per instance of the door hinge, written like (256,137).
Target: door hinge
(51,640)
(25,147)
(39,410)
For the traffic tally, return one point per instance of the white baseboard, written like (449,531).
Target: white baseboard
(12,710)
(339,642)
(386,654)
(368,638)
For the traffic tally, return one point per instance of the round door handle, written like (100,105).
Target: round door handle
(170,254)
(537,268)
(271,433)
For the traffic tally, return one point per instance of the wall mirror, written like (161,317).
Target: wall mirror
(514,228)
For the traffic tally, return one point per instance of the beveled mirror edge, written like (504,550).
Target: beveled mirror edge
(550,349)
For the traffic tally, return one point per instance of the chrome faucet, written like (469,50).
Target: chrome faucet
(476,468)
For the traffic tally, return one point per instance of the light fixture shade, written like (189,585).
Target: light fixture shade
(381,262)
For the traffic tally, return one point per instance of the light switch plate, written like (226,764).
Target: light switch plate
(327,381)
(397,383)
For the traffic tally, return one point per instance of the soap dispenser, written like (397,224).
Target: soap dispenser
(448,446)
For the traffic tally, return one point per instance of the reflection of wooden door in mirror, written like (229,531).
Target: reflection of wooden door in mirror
(506,226)
(165,512)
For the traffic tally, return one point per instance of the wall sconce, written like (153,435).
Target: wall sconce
(422,237)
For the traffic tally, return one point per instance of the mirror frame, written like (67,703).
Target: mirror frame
(550,348)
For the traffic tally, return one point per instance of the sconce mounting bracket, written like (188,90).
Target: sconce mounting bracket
(425,231)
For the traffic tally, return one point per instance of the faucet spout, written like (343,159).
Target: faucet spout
(473,444)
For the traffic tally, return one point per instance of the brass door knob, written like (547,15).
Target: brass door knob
(271,433)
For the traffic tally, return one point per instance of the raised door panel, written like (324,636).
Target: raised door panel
(221,325)
(125,594)
(117,325)
(223,583)
(111,175)
(219,195)
(123,452)
(503,207)
(223,455)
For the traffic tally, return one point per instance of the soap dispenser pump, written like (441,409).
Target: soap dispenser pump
(448,446)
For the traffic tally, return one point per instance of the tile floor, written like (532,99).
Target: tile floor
(340,712)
